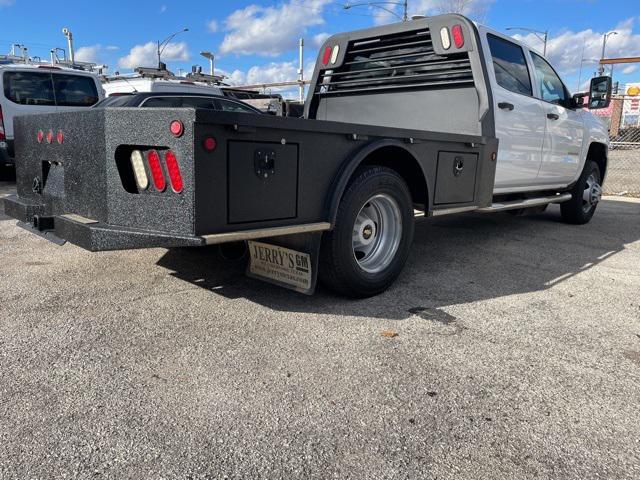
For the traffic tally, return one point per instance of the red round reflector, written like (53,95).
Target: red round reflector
(327,56)
(174,171)
(209,144)
(156,170)
(50,136)
(40,136)
(458,37)
(177,128)
(60,137)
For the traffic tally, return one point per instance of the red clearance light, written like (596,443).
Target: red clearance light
(60,137)
(327,55)
(40,136)
(50,136)
(177,128)
(458,37)
(156,170)
(209,144)
(2,134)
(174,171)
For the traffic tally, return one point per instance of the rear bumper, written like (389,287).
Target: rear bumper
(90,234)
(96,236)
(7,156)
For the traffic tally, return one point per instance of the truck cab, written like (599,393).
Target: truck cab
(545,134)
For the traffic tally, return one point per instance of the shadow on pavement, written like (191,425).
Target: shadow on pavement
(454,260)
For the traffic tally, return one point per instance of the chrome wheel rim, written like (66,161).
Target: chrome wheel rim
(592,193)
(376,234)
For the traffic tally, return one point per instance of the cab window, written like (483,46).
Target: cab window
(552,89)
(510,65)
(29,88)
(198,102)
(229,106)
(75,90)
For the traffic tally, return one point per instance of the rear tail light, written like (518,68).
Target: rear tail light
(458,37)
(140,174)
(327,56)
(174,171)
(50,136)
(40,136)
(2,133)
(60,137)
(445,38)
(334,54)
(156,170)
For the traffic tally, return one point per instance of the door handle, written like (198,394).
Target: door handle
(553,116)
(505,106)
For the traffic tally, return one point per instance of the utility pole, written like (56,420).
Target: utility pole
(301,70)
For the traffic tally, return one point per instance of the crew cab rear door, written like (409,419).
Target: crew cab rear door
(519,116)
(564,132)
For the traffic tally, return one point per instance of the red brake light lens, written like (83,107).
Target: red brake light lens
(60,137)
(40,136)
(174,171)
(209,144)
(50,136)
(2,134)
(327,56)
(177,128)
(458,37)
(156,170)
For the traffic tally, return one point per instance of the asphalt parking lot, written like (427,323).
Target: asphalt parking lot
(517,355)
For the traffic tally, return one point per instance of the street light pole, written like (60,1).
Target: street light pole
(542,36)
(163,45)
(404,4)
(604,47)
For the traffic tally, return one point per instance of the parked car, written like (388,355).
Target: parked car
(439,115)
(30,89)
(176,100)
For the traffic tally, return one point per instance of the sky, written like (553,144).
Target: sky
(255,41)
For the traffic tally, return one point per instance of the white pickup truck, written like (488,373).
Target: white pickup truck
(438,115)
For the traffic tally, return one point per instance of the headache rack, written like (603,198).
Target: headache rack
(397,61)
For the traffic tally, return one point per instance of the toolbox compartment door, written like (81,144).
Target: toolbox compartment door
(456,177)
(262,181)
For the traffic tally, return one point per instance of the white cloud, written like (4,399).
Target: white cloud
(566,50)
(112,48)
(270,31)
(5,3)
(88,54)
(213,26)
(630,69)
(146,56)
(319,39)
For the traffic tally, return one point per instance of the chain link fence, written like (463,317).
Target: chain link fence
(623,119)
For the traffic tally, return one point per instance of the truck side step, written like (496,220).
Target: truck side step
(525,203)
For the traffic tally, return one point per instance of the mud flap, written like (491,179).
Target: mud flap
(290,261)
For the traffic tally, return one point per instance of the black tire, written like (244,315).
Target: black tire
(339,270)
(578,211)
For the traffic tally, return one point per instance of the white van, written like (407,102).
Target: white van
(29,89)
(123,85)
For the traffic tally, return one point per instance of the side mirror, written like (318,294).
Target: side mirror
(577,101)
(600,93)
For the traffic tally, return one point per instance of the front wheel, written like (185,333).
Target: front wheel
(586,195)
(369,245)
